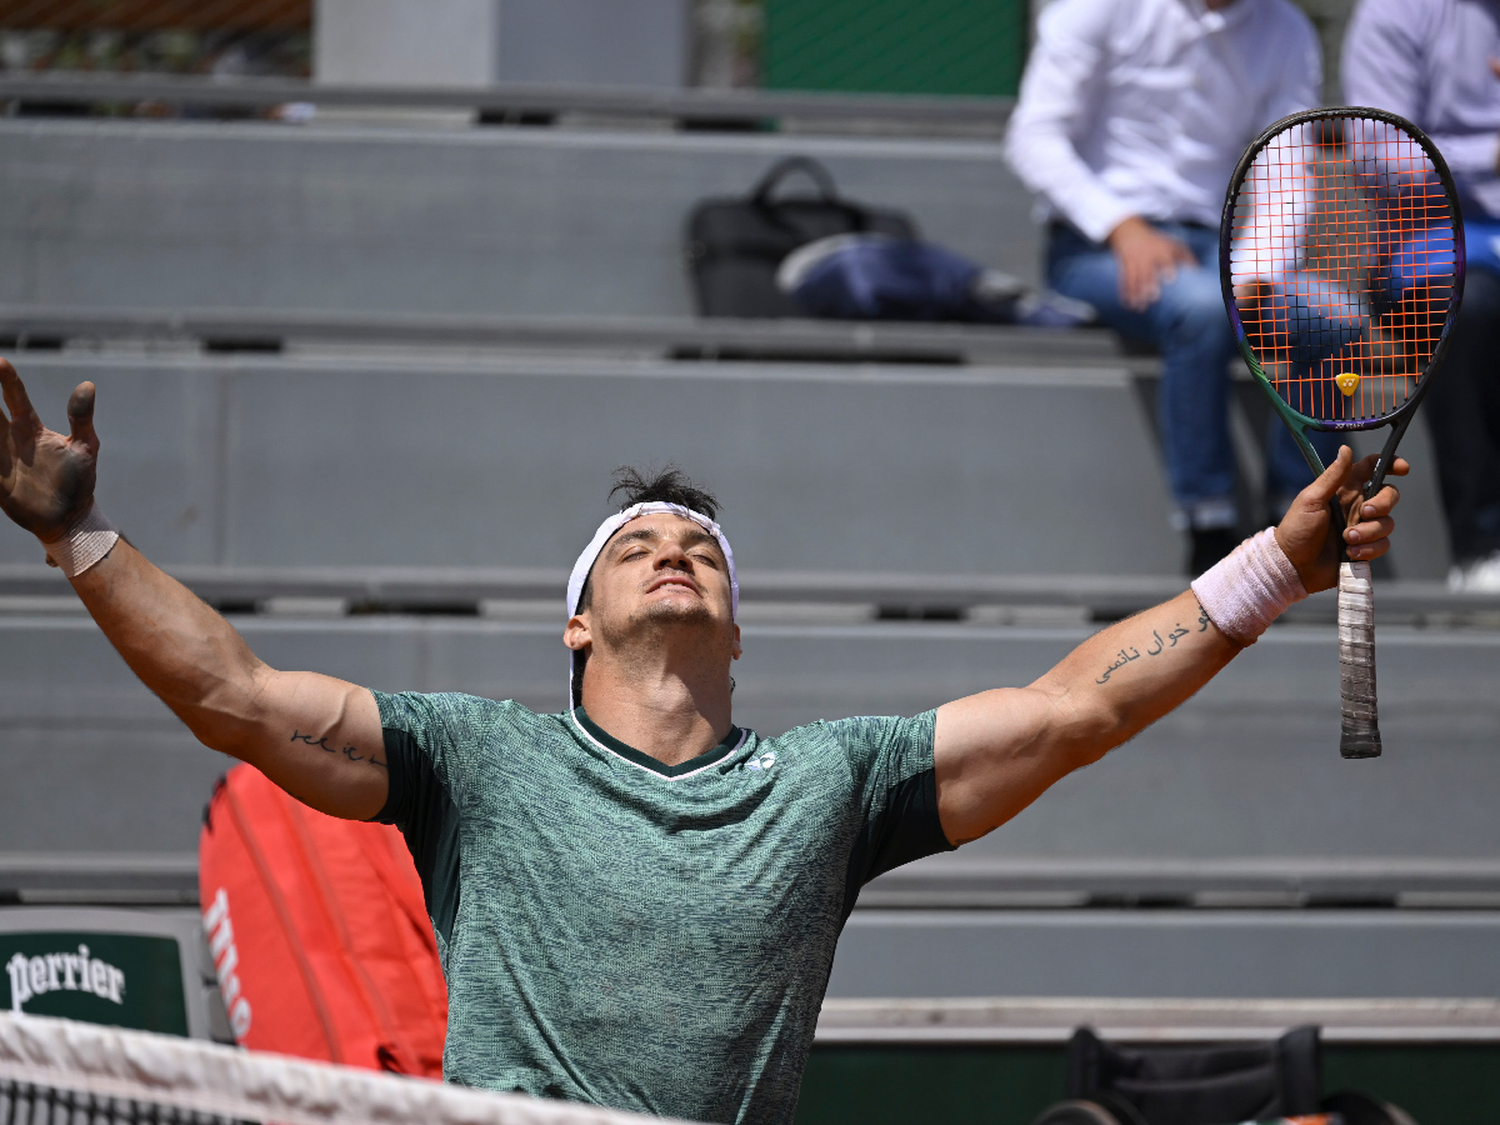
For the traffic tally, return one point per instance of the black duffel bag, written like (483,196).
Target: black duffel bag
(734,246)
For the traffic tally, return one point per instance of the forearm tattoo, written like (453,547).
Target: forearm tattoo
(1158,645)
(349,752)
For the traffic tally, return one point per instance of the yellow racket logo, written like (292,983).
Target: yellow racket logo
(1348,382)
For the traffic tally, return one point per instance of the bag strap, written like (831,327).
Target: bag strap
(828,193)
(814,170)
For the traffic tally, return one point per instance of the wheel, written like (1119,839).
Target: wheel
(1077,1113)
(1361,1109)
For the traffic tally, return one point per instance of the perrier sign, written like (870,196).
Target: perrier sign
(127,980)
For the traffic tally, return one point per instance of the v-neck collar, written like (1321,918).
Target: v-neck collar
(609,742)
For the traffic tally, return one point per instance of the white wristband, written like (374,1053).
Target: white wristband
(90,540)
(1246,591)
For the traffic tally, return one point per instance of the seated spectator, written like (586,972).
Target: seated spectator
(1434,62)
(1131,118)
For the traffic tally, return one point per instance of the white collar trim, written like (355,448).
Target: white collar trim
(612,752)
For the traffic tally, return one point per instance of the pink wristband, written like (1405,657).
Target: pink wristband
(90,540)
(1246,591)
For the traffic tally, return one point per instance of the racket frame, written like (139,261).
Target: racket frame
(1360,733)
(1295,420)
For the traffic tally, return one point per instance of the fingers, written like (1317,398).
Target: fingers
(1131,284)
(1368,535)
(1140,287)
(1167,253)
(1366,552)
(21,410)
(1146,268)
(1322,490)
(1369,539)
(1364,469)
(81,415)
(1381,504)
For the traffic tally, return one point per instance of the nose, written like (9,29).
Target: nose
(671,556)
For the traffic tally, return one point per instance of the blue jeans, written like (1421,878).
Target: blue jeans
(1190,328)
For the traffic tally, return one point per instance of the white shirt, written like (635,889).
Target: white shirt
(1143,107)
(1429,60)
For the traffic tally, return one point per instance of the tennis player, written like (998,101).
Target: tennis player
(637,901)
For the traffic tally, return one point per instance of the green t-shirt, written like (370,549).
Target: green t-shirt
(641,936)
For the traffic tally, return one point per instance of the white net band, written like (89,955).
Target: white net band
(42,1057)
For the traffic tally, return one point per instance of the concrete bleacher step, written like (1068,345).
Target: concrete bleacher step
(182,215)
(725,108)
(1248,769)
(767,596)
(278,461)
(53,327)
(1052,1019)
(319,462)
(1168,953)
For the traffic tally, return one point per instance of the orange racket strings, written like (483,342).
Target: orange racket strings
(1343,260)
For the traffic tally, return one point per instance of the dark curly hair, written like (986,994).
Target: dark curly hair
(664,486)
(668,485)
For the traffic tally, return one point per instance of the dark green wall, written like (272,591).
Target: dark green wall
(895,46)
(1439,1085)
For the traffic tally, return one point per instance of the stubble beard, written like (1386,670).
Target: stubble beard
(648,629)
(657,619)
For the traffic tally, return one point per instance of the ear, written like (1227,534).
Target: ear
(735,649)
(577,635)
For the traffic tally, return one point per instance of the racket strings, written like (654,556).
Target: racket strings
(1343,259)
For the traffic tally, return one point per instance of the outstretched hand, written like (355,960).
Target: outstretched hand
(1307,535)
(46,479)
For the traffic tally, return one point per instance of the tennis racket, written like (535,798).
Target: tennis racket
(1342,261)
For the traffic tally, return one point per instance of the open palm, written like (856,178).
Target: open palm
(46,478)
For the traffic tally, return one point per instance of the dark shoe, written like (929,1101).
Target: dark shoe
(1209,546)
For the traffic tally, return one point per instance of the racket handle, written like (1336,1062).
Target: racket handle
(1360,737)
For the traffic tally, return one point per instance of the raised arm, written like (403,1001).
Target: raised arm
(998,751)
(317,737)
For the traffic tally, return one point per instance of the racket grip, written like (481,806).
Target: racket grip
(1360,737)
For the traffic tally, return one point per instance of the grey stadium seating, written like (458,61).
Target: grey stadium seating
(1019,497)
(245,461)
(524,222)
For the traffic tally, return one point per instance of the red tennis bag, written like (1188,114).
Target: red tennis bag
(318,932)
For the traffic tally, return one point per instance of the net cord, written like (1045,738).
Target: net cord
(250,1086)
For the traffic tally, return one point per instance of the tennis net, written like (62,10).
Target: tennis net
(58,1072)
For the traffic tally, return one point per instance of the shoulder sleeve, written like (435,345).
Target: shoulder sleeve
(427,738)
(1061,92)
(1301,76)
(892,766)
(1382,60)
(1388,63)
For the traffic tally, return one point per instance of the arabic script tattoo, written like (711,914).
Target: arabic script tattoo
(1159,644)
(349,752)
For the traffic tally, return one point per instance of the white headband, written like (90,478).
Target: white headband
(606,531)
